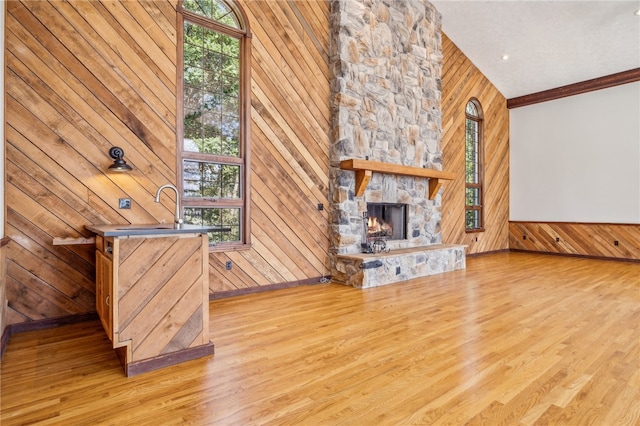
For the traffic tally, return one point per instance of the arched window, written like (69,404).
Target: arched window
(474,165)
(213,124)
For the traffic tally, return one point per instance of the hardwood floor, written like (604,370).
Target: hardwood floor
(516,339)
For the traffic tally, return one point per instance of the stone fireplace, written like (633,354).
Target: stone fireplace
(386,64)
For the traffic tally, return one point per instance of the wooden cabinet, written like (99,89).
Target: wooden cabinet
(104,290)
(152,297)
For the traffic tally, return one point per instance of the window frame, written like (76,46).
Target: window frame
(479,185)
(243,34)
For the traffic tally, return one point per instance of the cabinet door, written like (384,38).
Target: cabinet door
(104,292)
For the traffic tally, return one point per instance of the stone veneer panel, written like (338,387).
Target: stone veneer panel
(386,65)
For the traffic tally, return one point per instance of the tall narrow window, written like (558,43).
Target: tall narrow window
(474,163)
(213,135)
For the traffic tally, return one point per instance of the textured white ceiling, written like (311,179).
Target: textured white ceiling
(549,43)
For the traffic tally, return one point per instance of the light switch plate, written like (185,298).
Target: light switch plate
(124,203)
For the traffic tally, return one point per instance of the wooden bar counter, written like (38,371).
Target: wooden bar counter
(152,293)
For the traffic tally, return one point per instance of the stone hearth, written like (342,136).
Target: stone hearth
(373,270)
(386,65)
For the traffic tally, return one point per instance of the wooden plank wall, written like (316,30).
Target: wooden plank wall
(84,76)
(584,239)
(3,296)
(461,81)
(290,160)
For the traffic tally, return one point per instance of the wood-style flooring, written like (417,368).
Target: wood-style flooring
(515,339)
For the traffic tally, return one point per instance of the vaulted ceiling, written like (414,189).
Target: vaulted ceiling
(549,43)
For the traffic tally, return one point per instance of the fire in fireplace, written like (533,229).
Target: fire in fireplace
(378,228)
(383,222)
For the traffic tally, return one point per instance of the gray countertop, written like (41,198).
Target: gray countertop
(124,230)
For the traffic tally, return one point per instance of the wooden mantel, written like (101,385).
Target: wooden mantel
(364,168)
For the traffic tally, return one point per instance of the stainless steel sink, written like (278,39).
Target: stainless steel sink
(145,228)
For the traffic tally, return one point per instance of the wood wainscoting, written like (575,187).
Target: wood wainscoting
(461,81)
(580,239)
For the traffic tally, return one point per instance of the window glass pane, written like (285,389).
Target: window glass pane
(212,81)
(473,219)
(470,128)
(230,136)
(230,182)
(201,179)
(471,109)
(217,10)
(210,180)
(472,172)
(211,93)
(212,42)
(230,106)
(193,34)
(211,61)
(223,217)
(192,130)
(193,78)
(230,20)
(231,54)
(472,196)
(472,154)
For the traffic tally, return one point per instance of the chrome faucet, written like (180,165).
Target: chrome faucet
(178,219)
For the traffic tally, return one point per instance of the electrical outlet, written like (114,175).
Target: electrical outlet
(228,265)
(320,206)
(124,203)
(557,239)
(615,243)
(397,270)
(524,237)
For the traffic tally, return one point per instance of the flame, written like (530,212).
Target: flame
(375,225)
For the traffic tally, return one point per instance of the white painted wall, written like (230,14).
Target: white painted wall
(577,159)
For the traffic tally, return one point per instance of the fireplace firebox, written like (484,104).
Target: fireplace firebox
(383,222)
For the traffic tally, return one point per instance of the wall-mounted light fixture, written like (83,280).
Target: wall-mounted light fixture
(119,165)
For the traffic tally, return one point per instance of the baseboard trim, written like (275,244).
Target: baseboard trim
(268,287)
(5,340)
(173,358)
(487,252)
(583,256)
(23,327)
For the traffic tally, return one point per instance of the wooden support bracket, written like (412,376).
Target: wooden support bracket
(434,187)
(362,180)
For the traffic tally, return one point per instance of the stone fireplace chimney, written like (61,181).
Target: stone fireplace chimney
(386,62)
